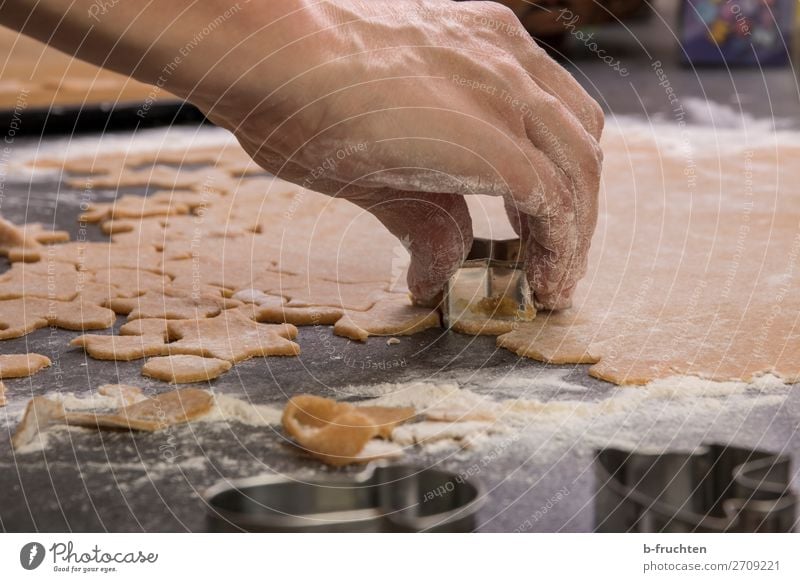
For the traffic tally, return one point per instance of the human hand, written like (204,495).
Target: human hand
(421,103)
(430,100)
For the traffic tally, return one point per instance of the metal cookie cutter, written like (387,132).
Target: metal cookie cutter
(383,498)
(490,286)
(718,488)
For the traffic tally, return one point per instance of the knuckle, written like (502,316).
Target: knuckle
(499,11)
(598,116)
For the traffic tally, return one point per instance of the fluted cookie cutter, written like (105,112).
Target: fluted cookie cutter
(717,488)
(382,498)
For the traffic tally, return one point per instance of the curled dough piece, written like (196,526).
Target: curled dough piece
(148,414)
(336,432)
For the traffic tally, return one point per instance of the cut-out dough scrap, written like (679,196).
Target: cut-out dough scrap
(259,298)
(390,316)
(235,270)
(171,304)
(319,293)
(337,433)
(19,317)
(281,313)
(94,256)
(150,414)
(3,400)
(121,347)
(128,283)
(162,203)
(85,166)
(156,176)
(20,365)
(60,282)
(182,369)
(26,243)
(133,206)
(145,326)
(231,336)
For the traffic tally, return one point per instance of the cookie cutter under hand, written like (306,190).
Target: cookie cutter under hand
(382,498)
(490,285)
(717,488)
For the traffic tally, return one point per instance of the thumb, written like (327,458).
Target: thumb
(437,227)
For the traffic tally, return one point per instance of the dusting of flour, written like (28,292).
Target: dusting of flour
(672,412)
(547,415)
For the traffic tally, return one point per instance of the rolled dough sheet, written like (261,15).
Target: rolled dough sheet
(692,269)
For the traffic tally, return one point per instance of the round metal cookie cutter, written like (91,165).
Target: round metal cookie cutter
(382,498)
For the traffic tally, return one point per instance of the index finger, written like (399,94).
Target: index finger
(557,243)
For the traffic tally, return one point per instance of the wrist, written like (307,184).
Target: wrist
(236,54)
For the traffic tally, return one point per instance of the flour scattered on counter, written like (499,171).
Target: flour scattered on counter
(42,440)
(550,418)
(426,432)
(679,411)
(232,409)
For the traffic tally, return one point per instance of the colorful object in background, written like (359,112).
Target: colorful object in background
(737,32)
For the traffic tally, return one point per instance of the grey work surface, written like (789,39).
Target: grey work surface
(117,481)
(88,481)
